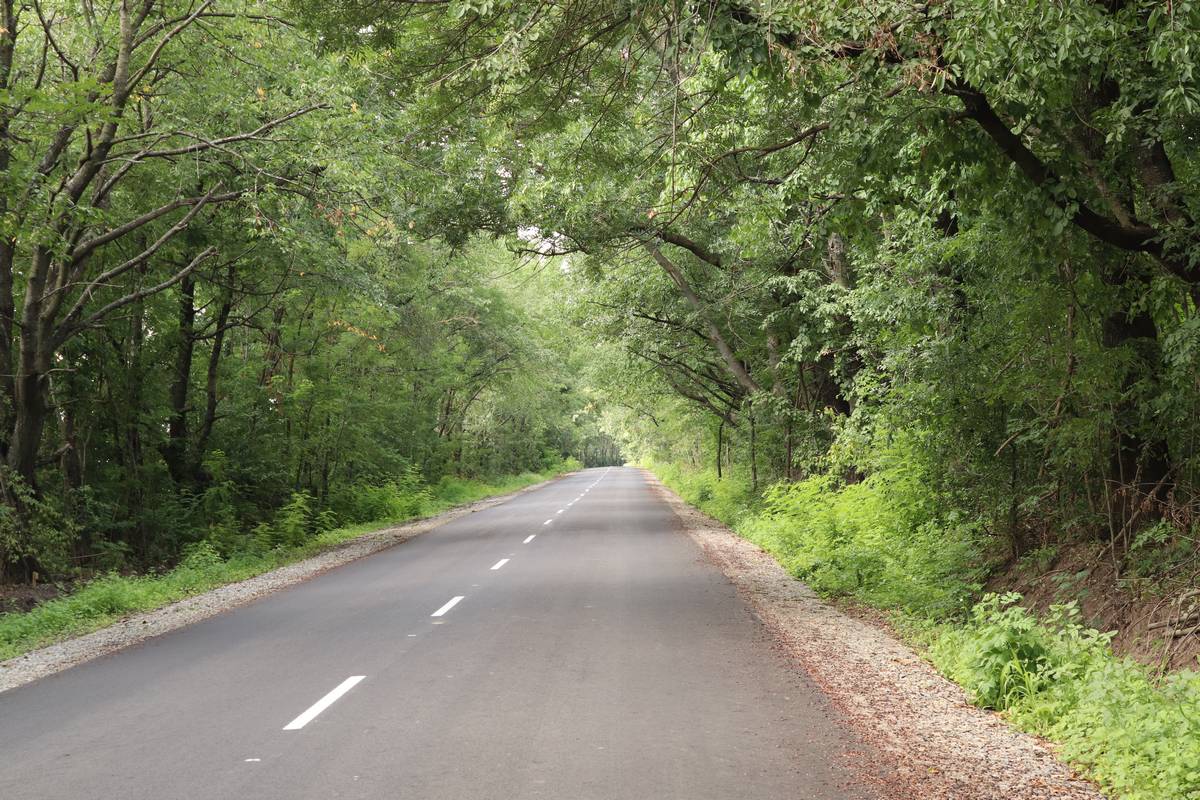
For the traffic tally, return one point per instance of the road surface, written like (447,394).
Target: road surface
(570,644)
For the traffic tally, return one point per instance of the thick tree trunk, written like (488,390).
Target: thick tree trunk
(7,316)
(30,385)
(1138,464)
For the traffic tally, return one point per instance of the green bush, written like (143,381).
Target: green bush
(1135,735)
(729,499)
(882,541)
(38,530)
(229,555)
(1003,654)
(402,498)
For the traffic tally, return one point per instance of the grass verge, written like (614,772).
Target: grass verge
(109,598)
(885,543)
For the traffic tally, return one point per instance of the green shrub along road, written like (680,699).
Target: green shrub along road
(295,533)
(875,542)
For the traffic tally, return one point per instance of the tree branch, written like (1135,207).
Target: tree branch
(133,297)
(732,363)
(87,247)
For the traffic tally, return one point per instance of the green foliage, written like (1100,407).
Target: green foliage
(294,533)
(881,540)
(1135,734)
(403,498)
(32,527)
(728,499)
(1004,655)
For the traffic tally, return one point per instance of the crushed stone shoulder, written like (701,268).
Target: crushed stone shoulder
(138,628)
(938,745)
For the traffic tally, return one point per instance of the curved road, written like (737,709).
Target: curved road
(569,644)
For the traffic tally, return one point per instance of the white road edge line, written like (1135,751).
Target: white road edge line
(529,538)
(324,703)
(453,602)
(500,563)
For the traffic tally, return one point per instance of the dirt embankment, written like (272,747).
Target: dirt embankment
(24,597)
(1112,597)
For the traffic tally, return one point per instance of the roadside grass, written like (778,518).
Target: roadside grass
(296,533)
(885,543)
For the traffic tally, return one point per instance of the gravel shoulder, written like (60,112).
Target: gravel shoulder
(936,744)
(140,627)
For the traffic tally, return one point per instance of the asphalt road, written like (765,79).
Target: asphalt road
(593,654)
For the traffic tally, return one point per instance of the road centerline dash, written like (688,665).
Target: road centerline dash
(500,563)
(324,703)
(529,538)
(453,602)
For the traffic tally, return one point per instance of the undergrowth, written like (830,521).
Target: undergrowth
(1137,736)
(887,543)
(297,531)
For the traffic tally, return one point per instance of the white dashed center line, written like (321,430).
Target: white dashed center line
(324,703)
(500,563)
(529,538)
(453,602)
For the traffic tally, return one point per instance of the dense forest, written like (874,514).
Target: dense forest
(942,257)
(219,292)
(907,292)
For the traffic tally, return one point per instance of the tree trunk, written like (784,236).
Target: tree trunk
(729,358)
(33,365)
(720,446)
(133,425)
(1140,465)
(211,398)
(175,451)
(753,456)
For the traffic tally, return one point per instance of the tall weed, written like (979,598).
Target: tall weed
(1137,736)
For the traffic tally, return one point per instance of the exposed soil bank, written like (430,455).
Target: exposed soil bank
(1110,599)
